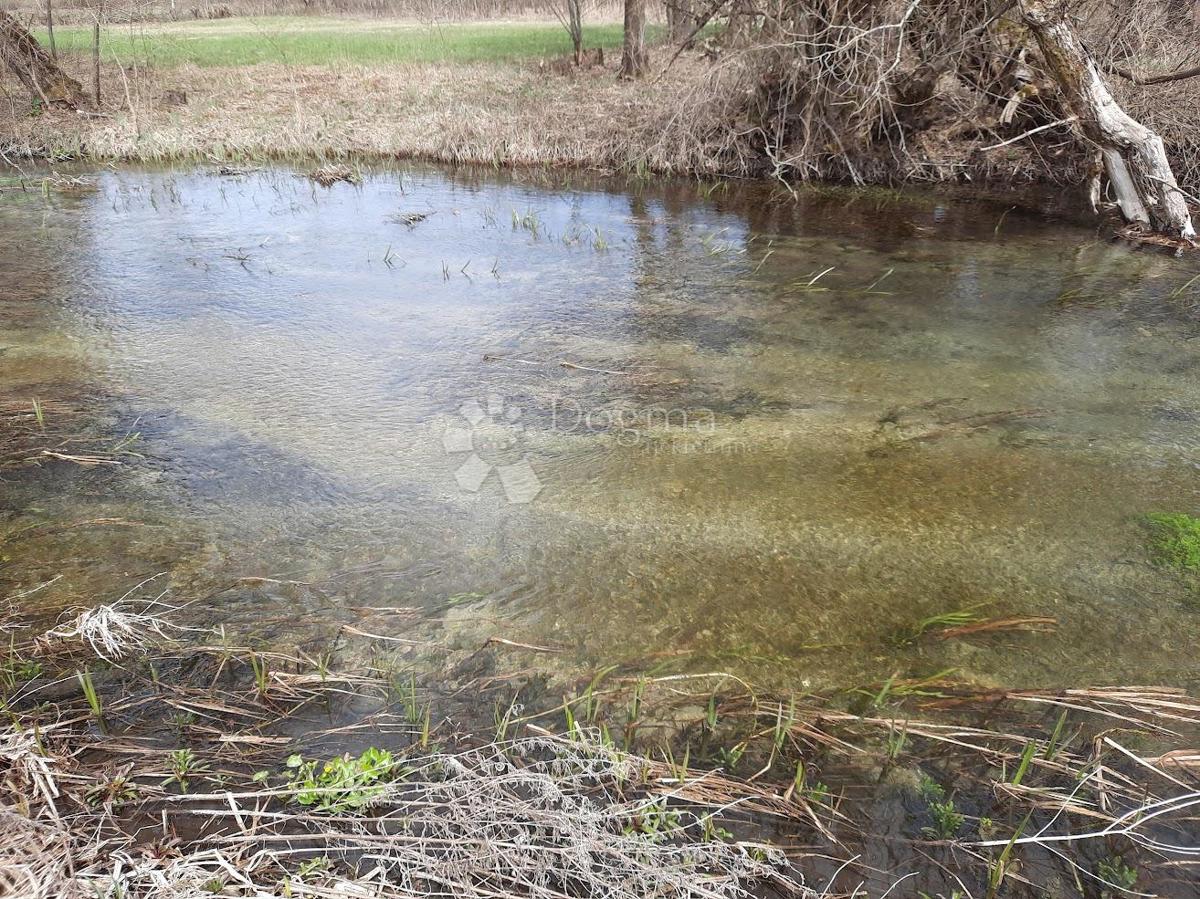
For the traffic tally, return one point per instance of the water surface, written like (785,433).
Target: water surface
(787,430)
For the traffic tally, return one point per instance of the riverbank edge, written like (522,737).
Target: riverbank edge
(516,114)
(503,115)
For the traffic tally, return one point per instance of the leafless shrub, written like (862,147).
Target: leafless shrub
(886,90)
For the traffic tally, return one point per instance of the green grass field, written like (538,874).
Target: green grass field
(318,41)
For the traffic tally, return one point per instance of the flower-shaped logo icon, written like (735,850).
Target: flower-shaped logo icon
(492,441)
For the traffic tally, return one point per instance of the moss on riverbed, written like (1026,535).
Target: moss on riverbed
(1176,540)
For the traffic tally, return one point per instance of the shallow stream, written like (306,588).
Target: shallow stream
(672,427)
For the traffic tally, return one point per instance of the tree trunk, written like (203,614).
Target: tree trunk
(33,66)
(575,27)
(1134,156)
(634,59)
(50,30)
(680,20)
(96,62)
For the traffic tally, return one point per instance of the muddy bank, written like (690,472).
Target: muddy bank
(143,760)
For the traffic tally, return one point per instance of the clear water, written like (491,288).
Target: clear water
(771,473)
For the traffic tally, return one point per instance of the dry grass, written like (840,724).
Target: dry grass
(493,114)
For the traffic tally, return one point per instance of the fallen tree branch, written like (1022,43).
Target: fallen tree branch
(1155,79)
(1030,133)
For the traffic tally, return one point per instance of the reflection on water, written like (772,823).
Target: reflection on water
(651,427)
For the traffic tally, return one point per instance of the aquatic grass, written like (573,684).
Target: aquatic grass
(1175,541)
(1000,221)
(812,285)
(1027,755)
(998,869)
(1052,745)
(91,696)
(896,689)
(122,446)
(870,288)
(956,618)
(262,674)
(327,176)
(527,221)
(1183,288)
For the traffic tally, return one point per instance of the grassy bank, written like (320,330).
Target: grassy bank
(488,113)
(302,40)
(284,87)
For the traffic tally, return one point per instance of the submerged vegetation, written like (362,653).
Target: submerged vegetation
(1176,540)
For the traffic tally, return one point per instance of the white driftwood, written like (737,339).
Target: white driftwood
(1129,201)
(1134,156)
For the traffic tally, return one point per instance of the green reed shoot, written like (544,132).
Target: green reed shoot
(799,778)
(425,725)
(635,703)
(679,769)
(89,693)
(412,709)
(783,725)
(569,718)
(262,673)
(895,742)
(591,701)
(634,713)
(939,622)
(503,720)
(1053,746)
(997,870)
(39,414)
(1023,765)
